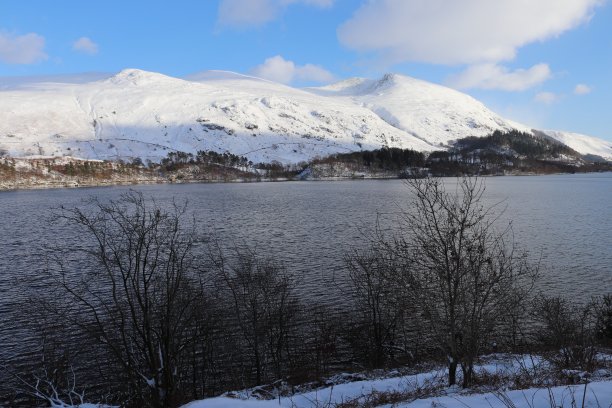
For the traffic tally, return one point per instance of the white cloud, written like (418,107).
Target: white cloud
(86,45)
(546,98)
(276,69)
(22,49)
(582,89)
(15,82)
(313,73)
(316,3)
(493,76)
(284,71)
(459,31)
(245,13)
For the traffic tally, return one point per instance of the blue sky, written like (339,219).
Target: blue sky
(545,63)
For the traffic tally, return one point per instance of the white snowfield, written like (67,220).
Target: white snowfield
(144,114)
(432,113)
(598,392)
(583,144)
(599,395)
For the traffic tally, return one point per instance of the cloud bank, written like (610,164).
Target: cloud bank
(284,71)
(252,13)
(496,77)
(479,33)
(459,31)
(22,49)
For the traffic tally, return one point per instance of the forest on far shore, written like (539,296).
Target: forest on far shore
(501,153)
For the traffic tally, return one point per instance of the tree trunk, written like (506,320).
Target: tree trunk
(452,372)
(258,368)
(468,374)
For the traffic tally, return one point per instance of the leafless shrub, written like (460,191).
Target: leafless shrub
(568,332)
(378,306)
(322,344)
(263,306)
(602,311)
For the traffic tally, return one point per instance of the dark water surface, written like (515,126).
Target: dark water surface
(564,220)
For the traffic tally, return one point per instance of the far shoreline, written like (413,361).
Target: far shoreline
(69,184)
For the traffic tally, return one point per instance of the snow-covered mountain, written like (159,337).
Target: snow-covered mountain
(430,112)
(145,114)
(583,144)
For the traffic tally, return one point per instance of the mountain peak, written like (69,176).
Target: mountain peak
(362,86)
(388,77)
(350,86)
(138,77)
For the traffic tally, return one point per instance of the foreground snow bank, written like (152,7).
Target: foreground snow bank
(328,397)
(598,393)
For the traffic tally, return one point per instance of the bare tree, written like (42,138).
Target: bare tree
(602,307)
(463,274)
(51,387)
(321,333)
(132,286)
(378,305)
(570,332)
(263,305)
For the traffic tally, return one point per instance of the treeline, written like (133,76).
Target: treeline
(511,152)
(386,159)
(71,168)
(147,312)
(175,160)
(85,168)
(515,143)
(206,165)
(499,153)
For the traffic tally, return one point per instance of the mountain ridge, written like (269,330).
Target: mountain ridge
(137,113)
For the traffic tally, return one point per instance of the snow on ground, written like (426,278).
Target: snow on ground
(322,397)
(599,393)
(145,114)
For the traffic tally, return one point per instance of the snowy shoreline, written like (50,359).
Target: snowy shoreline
(429,389)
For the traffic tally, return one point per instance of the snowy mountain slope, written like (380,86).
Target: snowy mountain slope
(144,114)
(583,144)
(427,111)
(440,115)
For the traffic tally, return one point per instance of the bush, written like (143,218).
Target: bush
(568,332)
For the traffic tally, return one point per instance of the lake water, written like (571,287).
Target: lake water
(563,220)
